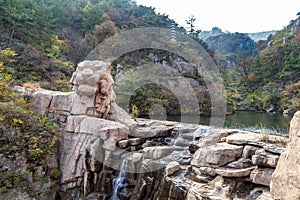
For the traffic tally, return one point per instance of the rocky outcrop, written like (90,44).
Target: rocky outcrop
(237,159)
(92,84)
(89,141)
(157,159)
(177,78)
(285,182)
(231,43)
(294,26)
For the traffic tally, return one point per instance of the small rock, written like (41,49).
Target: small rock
(218,189)
(240,164)
(181,142)
(271,109)
(262,176)
(227,172)
(172,167)
(136,141)
(193,147)
(208,171)
(260,152)
(286,112)
(123,144)
(157,152)
(249,151)
(265,160)
(242,138)
(261,193)
(19,89)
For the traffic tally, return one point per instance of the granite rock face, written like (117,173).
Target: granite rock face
(285,183)
(92,84)
(163,160)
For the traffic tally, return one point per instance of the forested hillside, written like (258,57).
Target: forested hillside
(42,41)
(48,38)
(267,79)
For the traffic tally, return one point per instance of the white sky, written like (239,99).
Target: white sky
(232,15)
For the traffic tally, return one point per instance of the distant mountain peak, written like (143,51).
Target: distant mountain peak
(231,43)
(216,31)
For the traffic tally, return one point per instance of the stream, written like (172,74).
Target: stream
(119,183)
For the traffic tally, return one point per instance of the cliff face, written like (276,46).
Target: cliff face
(294,26)
(254,36)
(231,43)
(285,182)
(122,158)
(172,71)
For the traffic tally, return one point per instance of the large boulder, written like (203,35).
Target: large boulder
(285,183)
(216,155)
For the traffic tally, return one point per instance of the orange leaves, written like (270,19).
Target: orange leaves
(250,76)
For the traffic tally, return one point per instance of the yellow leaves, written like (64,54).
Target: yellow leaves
(296,84)
(134,111)
(20,102)
(2,118)
(17,122)
(58,41)
(5,55)
(5,82)
(36,153)
(237,95)
(11,122)
(8,52)
(5,78)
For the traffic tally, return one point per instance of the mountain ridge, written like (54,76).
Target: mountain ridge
(255,36)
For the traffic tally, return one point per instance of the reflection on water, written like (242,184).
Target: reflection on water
(252,121)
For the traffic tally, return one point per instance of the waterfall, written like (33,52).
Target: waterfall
(119,183)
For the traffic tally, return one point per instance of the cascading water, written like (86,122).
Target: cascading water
(119,183)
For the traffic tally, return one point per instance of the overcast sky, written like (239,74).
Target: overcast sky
(232,15)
